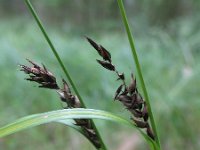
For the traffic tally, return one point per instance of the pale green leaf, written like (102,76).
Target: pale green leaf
(62,116)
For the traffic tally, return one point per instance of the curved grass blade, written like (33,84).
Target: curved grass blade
(137,64)
(61,116)
(71,123)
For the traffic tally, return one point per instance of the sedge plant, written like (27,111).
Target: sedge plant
(75,114)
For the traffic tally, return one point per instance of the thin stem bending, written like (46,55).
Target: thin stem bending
(129,95)
(102,145)
(47,80)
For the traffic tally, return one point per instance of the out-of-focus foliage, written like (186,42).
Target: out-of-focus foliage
(90,11)
(167,39)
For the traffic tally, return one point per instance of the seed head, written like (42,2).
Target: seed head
(40,75)
(100,49)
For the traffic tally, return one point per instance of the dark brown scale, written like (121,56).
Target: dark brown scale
(118,91)
(124,98)
(136,113)
(106,65)
(145,113)
(66,86)
(140,123)
(94,44)
(105,54)
(132,86)
(100,49)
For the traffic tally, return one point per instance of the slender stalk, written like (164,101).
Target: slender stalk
(134,54)
(62,65)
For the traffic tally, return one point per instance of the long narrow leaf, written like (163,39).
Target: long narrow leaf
(71,123)
(61,116)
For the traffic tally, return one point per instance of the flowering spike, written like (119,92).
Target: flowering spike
(130,96)
(47,80)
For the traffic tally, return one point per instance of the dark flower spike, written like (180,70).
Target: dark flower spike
(66,96)
(132,86)
(40,75)
(118,91)
(140,123)
(129,96)
(100,49)
(106,65)
(47,80)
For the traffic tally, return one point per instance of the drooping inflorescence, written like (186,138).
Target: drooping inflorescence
(129,95)
(46,79)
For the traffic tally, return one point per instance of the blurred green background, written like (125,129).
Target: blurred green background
(167,38)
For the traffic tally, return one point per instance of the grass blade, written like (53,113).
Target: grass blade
(61,116)
(70,123)
(134,54)
(62,65)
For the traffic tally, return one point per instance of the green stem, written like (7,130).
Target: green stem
(62,65)
(134,54)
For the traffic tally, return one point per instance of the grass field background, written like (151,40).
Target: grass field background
(170,61)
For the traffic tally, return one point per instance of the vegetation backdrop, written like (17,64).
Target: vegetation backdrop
(167,36)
